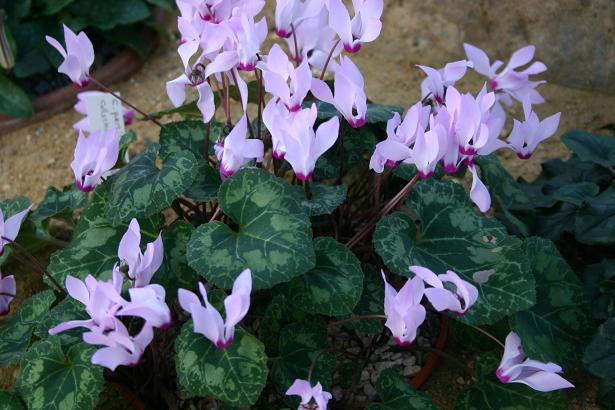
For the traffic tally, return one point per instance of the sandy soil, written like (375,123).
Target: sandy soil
(39,155)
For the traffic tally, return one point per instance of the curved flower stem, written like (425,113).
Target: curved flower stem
(245,109)
(106,89)
(387,208)
(355,318)
(206,142)
(259,79)
(313,364)
(341,148)
(295,41)
(489,335)
(306,188)
(440,353)
(34,263)
(217,213)
(227,101)
(324,68)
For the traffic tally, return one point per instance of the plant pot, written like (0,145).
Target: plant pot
(432,358)
(118,69)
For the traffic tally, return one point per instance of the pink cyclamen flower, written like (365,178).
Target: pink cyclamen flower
(437,80)
(350,99)
(289,84)
(400,135)
(208,321)
(526,135)
(303,145)
(457,300)
(315,39)
(512,83)
(9,228)
(236,150)
(364,27)
(303,389)
(94,156)
(8,290)
(176,90)
(248,37)
(403,310)
(80,107)
(140,267)
(121,348)
(78,56)
(516,367)
(277,118)
(290,13)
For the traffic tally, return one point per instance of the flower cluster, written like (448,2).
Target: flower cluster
(453,128)
(106,307)
(404,311)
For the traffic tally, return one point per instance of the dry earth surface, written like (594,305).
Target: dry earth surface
(415,32)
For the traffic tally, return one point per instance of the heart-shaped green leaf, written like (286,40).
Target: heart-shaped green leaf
(325,199)
(16,333)
(371,303)
(9,208)
(451,235)
(51,378)
(140,189)
(206,183)
(68,309)
(599,149)
(595,220)
(559,325)
(334,286)
(273,237)
(93,247)
(300,343)
(13,100)
(502,185)
(235,375)
(188,136)
(490,394)
(397,394)
(381,113)
(59,203)
(600,353)
(110,13)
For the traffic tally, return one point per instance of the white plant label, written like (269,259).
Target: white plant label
(105,113)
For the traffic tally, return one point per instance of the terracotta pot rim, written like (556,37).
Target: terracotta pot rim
(118,69)
(432,358)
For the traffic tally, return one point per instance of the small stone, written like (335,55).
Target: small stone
(51,161)
(380,366)
(411,370)
(381,349)
(369,391)
(386,355)
(460,381)
(353,350)
(395,356)
(337,392)
(360,398)
(364,375)
(409,361)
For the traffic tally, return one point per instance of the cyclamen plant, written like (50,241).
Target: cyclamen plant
(280,206)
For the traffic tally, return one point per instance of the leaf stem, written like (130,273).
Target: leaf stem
(341,148)
(324,68)
(314,361)
(355,318)
(34,263)
(385,210)
(295,41)
(489,335)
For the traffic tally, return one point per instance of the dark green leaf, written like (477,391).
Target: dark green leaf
(9,208)
(53,6)
(10,401)
(188,136)
(125,141)
(165,4)
(501,184)
(54,379)
(490,393)
(16,333)
(600,353)
(577,193)
(299,344)
(68,309)
(235,375)
(557,327)
(33,52)
(13,100)
(358,143)
(206,183)
(471,338)
(59,203)
(334,286)
(108,14)
(598,149)
(606,394)
(325,199)
(273,238)
(451,235)
(380,113)
(131,36)
(397,394)
(140,189)
(597,278)
(175,272)
(93,248)
(595,221)
(371,303)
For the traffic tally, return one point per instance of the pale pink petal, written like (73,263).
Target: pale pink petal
(479,192)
